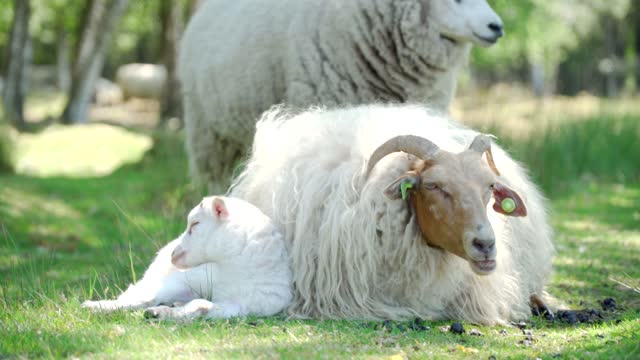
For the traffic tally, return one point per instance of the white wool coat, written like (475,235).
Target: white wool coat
(238,58)
(357,254)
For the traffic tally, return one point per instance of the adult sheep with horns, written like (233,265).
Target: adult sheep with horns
(391,212)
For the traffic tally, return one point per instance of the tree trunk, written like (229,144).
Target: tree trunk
(630,29)
(15,87)
(103,16)
(611,85)
(536,70)
(63,64)
(171,18)
(193,6)
(26,66)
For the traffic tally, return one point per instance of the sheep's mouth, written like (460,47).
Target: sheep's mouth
(483,267)
(449,38)
(487,40)
(176,257)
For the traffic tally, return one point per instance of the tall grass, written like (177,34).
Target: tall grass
(603,148)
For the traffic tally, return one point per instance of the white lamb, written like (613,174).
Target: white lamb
(230,261)
(238,58)
(386,212)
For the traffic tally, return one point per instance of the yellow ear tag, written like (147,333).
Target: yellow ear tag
(403,189)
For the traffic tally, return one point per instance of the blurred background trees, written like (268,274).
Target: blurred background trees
(565,47)
(18,50)
(99,20)
(552,47)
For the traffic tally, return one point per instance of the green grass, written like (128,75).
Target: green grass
(86,151)
(67,239)
(6,145)
(599,148)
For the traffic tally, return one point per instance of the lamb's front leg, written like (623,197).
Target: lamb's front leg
(118,304)
(146,294)
(161,283)
(198,308)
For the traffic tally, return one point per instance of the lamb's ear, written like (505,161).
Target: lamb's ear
(403,186)
(220,208)
(507,201)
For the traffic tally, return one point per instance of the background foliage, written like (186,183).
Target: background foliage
(570,39)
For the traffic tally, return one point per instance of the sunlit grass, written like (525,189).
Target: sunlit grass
(519,114)
(44,105)
(66,239)
(79,151)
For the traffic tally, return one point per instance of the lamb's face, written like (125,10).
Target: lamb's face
(466,20)
(206,237)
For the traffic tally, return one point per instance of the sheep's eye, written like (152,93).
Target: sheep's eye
(459,1)
(193,225)
(437,188)
(431,186)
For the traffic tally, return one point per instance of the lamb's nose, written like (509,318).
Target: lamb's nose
(497,29)
(486,246)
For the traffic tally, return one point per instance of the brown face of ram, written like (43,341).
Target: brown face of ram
(449,194)
(450,206)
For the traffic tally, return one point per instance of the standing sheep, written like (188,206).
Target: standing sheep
(239,58)
(230,261)
(386,213)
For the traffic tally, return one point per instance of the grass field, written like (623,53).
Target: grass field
(72,233)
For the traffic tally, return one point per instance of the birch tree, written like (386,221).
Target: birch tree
(103,15)
(171,16)
(15,86)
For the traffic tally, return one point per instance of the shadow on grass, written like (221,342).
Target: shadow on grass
(62,230)
(598,241)
(50,343)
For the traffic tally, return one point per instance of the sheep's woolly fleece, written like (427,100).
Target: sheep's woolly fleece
(357,254)
(239,58)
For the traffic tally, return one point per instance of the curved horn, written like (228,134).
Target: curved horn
(482,144)
(410,144)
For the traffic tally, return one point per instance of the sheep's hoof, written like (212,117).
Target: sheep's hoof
(157,312)
(539,307)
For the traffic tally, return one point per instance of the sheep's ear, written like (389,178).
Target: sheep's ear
(220,208)
(507,201)
(403,186)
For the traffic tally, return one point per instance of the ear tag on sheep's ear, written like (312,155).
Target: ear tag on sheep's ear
(220,208)
(403,183)
(507,201)
(404,186)
(508,205)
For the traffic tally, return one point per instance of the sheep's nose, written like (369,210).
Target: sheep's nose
(497,29)
(485,246)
